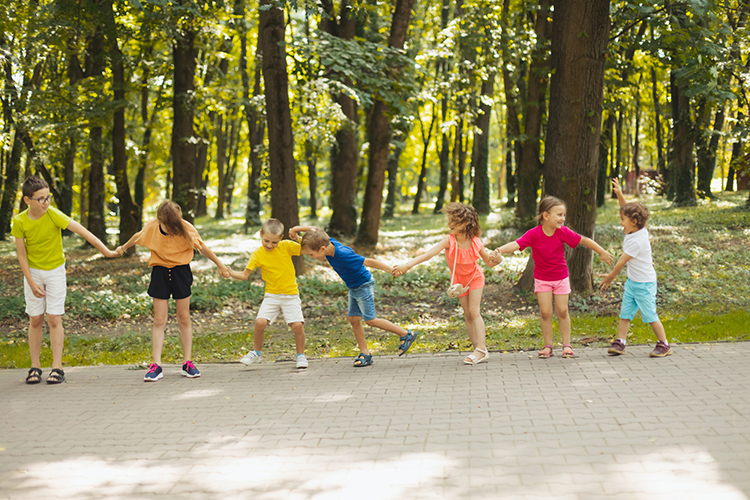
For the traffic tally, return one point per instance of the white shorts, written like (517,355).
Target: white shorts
(275,303)
(54,284)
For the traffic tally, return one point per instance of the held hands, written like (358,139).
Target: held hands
(399,270)
(112,254)
(496,257)
(119,251)
(224,271)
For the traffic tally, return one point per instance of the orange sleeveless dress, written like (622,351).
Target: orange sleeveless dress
(466,264)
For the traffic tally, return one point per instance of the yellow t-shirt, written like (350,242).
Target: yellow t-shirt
(168,251)
(276,267)
(42,237)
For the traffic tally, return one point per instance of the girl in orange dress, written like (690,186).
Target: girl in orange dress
(462,249)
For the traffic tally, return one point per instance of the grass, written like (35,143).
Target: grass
(700,254)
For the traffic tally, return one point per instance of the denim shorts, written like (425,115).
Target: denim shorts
(639,296)
(362,301)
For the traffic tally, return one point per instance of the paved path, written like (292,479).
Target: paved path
(406,428)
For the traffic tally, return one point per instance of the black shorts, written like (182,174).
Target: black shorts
(170,282)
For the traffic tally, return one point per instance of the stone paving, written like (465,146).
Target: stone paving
(419,426)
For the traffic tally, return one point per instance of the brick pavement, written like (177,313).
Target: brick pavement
(423,426)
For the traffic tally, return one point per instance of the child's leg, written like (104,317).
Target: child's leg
(182,309)
(36,336)
(298,328)
(359,333)
(161,310)
(624,326)
(563,318)
(56,338)
(474,321)
(386,325)
(658,329)
(259,333)
(545,315)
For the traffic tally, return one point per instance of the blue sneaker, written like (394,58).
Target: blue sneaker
(154,373)
(189,370)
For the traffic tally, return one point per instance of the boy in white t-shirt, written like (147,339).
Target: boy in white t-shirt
(640,288)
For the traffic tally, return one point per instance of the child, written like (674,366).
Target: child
(462,249)
(640,287)
(171,241)
(282,295)
(547,242)
(352,268)
(40,253)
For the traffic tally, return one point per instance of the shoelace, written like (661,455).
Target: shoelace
(189,364)
(152,368)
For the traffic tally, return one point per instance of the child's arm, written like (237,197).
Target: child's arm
(131,242)
(508,248)
(298,229)
(618,267)
(23,260)
(618,192)
(245,274)
(378,265)
(603,254)
(89,236)
(403,268)
(490,258)
(212,256)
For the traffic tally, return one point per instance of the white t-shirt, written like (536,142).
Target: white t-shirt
(640,266)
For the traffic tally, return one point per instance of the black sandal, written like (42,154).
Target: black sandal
(34,376)
(56,376)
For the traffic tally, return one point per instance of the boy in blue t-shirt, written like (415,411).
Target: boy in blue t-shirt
(353,270)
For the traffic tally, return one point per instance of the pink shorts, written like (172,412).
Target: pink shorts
(560,287)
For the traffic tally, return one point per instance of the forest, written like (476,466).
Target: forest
(350,111)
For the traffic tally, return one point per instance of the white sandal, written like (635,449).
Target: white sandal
(471,359)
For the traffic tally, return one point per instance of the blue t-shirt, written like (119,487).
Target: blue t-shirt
(349,265)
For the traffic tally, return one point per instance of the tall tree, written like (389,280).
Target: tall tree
(379,135)
(580,34)
(95,68)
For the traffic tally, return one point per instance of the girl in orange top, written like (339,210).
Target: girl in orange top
(171,241)
(463,247)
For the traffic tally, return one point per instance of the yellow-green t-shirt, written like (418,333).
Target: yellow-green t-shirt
(42,237)
(276,267)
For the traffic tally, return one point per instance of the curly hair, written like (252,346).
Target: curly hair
(169,215)
(458,213)
(547,204)
(637,212)
(315,239)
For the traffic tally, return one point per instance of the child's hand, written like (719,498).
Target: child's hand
(607,257)
(399,270)
(224,271)
(496,257)
(119,251)
(616,186)
(606,282)
(37,290)
(293,235)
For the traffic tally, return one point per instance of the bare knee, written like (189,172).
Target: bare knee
(545,315)
(183,319)
(371,322)
(354,320)
(54,320)
(471,315)
(298,327)
(36,321)
(562,313)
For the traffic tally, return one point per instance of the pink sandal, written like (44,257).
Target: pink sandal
(543,353)
(570,353)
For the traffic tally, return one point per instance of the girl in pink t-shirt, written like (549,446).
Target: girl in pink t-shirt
(547,242)
(463,247)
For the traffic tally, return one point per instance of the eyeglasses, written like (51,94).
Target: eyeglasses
(43,200)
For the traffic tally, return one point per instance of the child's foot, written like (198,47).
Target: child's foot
(363,360)
(406,342)
(568,351)
(250,358)
(34,376)
(57,376)
(189,370)
(473,359)
(154,373)
(301,361)
(546,352)
(616,348)
(661,350)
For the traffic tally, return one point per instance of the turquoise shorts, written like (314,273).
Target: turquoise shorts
(639,296)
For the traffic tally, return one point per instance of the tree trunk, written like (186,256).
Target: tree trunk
(605,146)
(284,204)
(255,127)
(390,200)
(379,134)
(737,148)
(183,136)
(575,117)
(97,188)
(445,150)
(480,158)
(421,181)
(345,153)
(707,160)
(459,152)
(530,165)
(682,148)
(662,164)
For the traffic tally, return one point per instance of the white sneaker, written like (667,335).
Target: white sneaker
(250,358)
(301,361)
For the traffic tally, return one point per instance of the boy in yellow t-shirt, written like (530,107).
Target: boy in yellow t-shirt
(40,253)
(274,259)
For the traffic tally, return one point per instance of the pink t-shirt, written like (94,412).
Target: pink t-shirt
(548,252)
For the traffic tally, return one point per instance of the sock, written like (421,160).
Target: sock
(624,342)
(298,355)
(258,352)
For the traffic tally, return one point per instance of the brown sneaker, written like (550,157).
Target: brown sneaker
(616,348)
(660,350)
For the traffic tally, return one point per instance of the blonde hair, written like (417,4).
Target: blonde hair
(637,212)
(547,204)
(273,227)
(315,239)
(169,215)
(458,213)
